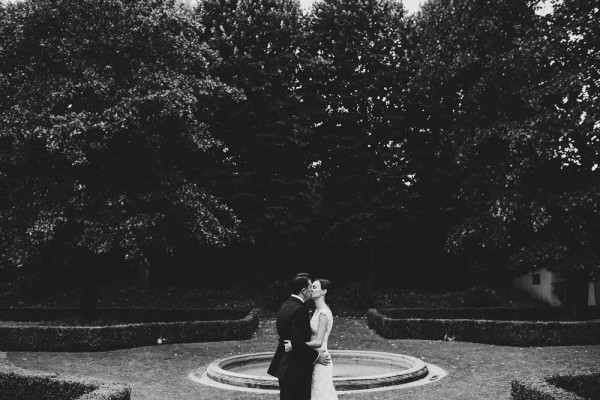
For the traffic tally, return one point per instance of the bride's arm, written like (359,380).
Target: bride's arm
(318,341)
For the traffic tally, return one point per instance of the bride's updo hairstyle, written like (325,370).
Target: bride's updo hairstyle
(325,284)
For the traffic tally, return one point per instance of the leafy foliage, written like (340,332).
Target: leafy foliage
(356,80)
(106,131)
(515,100)
(265,177)
(129,129)
(467,69)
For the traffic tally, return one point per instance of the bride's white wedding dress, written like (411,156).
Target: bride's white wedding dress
(322,378)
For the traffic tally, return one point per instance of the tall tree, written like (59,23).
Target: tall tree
(466,92)
(358,79)
(105,124)
(265,179)
(532,181)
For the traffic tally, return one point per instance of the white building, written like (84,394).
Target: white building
(539,285)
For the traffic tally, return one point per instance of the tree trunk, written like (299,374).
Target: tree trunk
(89,292)
(144,277)
(260,268)
(577,285)
(372,267)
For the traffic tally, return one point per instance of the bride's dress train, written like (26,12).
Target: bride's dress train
(322,378)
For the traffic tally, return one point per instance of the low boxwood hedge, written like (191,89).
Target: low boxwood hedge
(577,385)
(21,384)
(482,327)
(494,313)
(211,325)
(126,315)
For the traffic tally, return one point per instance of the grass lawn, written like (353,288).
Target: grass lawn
(475,371)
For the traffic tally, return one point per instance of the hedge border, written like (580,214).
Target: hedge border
(20,384)
(548,387)
(23,337)
(488,331)
(130,314)
(495,313)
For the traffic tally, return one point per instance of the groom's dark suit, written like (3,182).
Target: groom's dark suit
(294,368)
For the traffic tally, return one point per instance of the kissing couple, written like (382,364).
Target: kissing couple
(302,363)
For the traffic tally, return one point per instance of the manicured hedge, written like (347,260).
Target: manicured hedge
(494,313)
(490,330)
(578,385)
(127,315)
(19,336)
(21,384)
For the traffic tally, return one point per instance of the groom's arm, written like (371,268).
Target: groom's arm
(300,324)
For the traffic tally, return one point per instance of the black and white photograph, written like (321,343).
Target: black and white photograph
(299,199)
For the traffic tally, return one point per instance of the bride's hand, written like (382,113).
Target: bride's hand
(288,345)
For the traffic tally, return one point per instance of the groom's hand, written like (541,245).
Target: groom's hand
(324,357)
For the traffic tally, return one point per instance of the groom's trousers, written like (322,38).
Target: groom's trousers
(295,389)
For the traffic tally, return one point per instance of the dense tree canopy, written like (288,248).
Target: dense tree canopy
(265,178)
(468,74)
(105,123)
(522,144)
(130,129)
(358,76)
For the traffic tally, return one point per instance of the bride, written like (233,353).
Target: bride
(320,323)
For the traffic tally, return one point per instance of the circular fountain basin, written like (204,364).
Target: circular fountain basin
(352,370)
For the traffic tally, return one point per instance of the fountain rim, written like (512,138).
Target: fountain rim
(214,369)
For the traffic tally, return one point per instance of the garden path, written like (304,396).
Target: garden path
(475,371)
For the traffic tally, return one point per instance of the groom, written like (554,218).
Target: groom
(294,368)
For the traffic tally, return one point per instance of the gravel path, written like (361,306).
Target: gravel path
(475,371)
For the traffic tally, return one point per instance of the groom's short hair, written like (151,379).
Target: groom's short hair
(300,282)
(299,274)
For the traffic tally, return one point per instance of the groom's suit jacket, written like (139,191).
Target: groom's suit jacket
(293,324)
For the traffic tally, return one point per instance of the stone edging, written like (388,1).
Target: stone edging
(404,369)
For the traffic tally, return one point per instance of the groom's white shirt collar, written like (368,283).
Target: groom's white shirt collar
(298,297)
